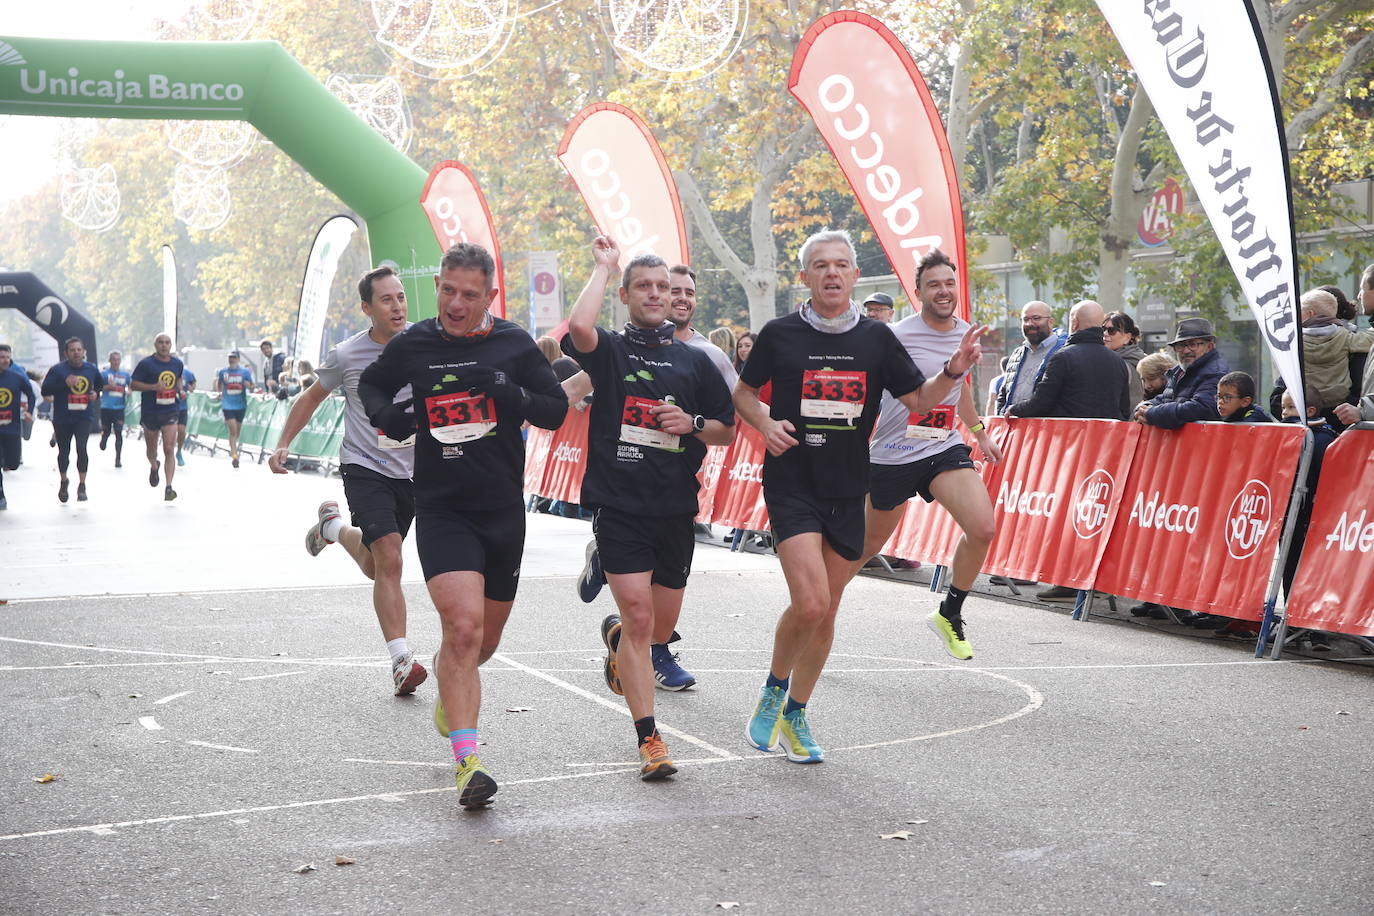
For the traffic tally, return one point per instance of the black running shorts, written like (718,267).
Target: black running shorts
(377,504)
(182,415)
(111,418)
(489,542)
(839,521)
(231,414)
(630,544)
(156,419)
(891,485)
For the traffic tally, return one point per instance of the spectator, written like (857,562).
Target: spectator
(743,346)
(1190,392)
(725,339)
(549,347)
(1027,365)
(1153,370)
(272,366)
(879,307)
(1323,434)
(995,387)
(1236,400)
(1123,338)
(1327,344)
(1082,379)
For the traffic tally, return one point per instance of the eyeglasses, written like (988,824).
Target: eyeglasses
(1108,330)
(1194,344)
(1227,398)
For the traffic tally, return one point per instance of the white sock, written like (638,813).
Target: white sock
(398,649)
(331,529)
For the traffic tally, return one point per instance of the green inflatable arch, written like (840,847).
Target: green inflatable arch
(253,81)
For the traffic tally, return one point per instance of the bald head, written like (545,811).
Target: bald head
(1035,322)
(1084,315)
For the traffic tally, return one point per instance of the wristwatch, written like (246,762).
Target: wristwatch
(698,422)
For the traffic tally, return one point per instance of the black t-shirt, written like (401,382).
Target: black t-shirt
(75,392)
(829,386)
(633,466)
(166,376)
(468,453)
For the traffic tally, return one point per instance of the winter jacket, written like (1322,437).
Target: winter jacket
(1252,414)
(1083,379)
(1057,339)
(1132,354)
(1189,394)
(1326,347)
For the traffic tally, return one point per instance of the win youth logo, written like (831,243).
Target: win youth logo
(1248,521)
(1091,501)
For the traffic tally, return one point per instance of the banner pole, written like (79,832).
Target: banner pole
(1285,544)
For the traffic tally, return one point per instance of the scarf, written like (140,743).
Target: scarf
(837,325)
(660,336)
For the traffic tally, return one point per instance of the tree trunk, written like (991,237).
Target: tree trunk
(1127,200)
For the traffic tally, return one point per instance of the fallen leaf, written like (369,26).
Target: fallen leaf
(728,905)
(344,860)
(899,835)
(1303,728)
(1342,712)
(309,866)
(496,842)
(135,696)
(519,709)
(1158,884)
(918,822)
(46,777)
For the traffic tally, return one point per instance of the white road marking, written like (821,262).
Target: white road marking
(400,763)
(263,677)
(224,747)
(619,707)
(149,723)
(175,696)
(67,645)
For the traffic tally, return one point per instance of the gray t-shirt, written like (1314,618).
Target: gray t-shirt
(896,440)
(362,444)
(718,358)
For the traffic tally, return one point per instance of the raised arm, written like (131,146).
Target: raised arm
(582,320)
(935,389)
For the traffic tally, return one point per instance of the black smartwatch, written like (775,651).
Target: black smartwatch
(698,422)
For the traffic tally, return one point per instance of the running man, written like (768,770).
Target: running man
(113,398)
(73,386)
(233,383)
(829,366)
(14,385)
(188,384)
(478,378)
(922,454)
(375,469)
(159,378)
(659,403)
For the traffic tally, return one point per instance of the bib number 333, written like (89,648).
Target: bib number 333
(830,395)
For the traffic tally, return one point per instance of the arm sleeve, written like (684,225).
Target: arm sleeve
(548,404)
(380,381)
(1046,394)
(1201,406)
(330,373)
(900,375)
(51,386)
(758,368)
(716,401)
(597,362)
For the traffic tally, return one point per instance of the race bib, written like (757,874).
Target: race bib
(77,401)
(638,426)
(166,398)
(6,417)
(455,418)
(937,424)
(233,388)
(116,390)
(829,395)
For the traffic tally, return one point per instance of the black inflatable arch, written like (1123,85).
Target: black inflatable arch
(45,308)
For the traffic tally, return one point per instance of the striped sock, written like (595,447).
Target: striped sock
(464,742)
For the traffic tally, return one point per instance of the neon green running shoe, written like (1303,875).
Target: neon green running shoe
(795,737)
(952,634)
(440,723)
(475,785)
(762,731)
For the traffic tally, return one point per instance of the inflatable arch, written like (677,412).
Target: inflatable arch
(33,298)
(253,81)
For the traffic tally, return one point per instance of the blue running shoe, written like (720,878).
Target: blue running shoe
(592,578)
(762,731)
(795,737)
(667,672)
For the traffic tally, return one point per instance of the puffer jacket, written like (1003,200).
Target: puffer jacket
(1326,347)
(1189,394)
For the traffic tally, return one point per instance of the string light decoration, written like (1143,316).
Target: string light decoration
(200,196)
(207,143)
(443,39)
(379,101)
(90,197)
(674,40)
(212,20)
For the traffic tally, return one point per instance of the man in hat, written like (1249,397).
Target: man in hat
(1190,388)
(878,306)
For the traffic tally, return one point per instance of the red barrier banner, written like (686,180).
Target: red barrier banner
(927,532)
(1056,498)
(458,212)
(625,182)
(739,495)
(566,464)
(1334,587)
(1201,515)
(537,444)
(709,477)
(872,107)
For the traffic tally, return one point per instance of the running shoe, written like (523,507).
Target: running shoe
(407,674)
(762,731)
(81,492)
(440,721)
(152,475)
(104,437)
(62,492)
(667,672)
(592,578)
(118,463)
(610,635)
(234,461)
(475,785)
(951,632)
(168,494)
(315,541)
(795,737)
(181,462)
(657,763)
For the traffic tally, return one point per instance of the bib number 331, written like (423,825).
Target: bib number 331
(455,418)
(830,395)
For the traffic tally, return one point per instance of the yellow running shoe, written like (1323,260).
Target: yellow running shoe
(475,785)
(440,723)
(952,634)
(657,763)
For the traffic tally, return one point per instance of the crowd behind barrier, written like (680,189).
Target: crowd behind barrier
(1192,518)
(262,425)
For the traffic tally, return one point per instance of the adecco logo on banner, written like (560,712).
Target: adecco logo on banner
(566,452)
(747,470)
(1015,501)
(1091,500)
(1249,519)
(1351,535)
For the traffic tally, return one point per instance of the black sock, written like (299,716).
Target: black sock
(952,608)
(792,706)
(779,682)
(645,728)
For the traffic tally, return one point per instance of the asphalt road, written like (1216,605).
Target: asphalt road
(215,707)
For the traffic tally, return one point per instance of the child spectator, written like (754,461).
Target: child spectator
(1236,400)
